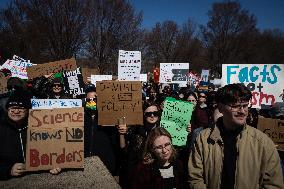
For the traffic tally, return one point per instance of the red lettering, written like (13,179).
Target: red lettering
(44,159)
(34,160)
(69,157)
(61,157)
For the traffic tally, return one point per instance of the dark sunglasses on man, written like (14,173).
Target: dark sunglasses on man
(149,114)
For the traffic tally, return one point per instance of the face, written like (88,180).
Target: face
(162,147)
(201,98)
(57,87)
(92,95)
(151,114)
(192,100)
(17,114)
(234,115)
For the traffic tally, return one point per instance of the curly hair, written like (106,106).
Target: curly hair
(233,93)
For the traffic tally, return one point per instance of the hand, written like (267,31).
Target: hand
(18,169)
(188,129)
(122,129)
(55,171)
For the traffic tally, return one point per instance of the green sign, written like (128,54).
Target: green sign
(175,118)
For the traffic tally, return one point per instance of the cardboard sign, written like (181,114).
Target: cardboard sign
(55,138)
(175,118)
(55,103)
(87,72)
(174,72)
(274,128)
(51,67)
(95,78)
(3,83)
(118,99)
(73,81)
(129,65)
(18,68)
(265,81)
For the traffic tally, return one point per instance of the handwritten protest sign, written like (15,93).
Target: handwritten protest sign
(174,72)
(3,84)
(265,81)
(55,138)
(51,67)
(87,72)
(18,67)
(175,118)
(73,81)
(95,78)
(205,75)
(129,65)
(118,99)
(194,79)
(274,128)
(55,103)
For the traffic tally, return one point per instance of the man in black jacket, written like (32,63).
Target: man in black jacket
(13,133)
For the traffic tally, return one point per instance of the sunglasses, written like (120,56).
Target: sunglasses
(56,85)
(149,114)
(202,96)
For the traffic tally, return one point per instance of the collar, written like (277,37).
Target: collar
(215,134)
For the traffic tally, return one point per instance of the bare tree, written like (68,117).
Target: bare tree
(114,25)
(229,34)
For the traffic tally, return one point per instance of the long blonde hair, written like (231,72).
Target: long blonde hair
(148,153)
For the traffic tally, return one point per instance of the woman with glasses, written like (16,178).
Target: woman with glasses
(132,140)
(159,167)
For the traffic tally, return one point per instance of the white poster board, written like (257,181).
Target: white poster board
(129,65)
(55,103)
(143,77)
(95,78)
(265,81)
(173,72)
(18,67)
(205,75)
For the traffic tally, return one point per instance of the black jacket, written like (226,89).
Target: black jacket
(12,147)
(101,141)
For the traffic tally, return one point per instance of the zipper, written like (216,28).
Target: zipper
(22,146)
(237,160)
(92,137)
(221,167)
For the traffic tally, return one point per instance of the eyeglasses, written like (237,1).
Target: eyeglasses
(149,114)
(236,107)
(17,109)
(90,99)
(167,146)
(191,100)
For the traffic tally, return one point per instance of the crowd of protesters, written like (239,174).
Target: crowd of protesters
(223,149)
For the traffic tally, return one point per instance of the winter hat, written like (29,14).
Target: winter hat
(19,98)
(90,88)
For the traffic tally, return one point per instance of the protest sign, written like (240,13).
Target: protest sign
(3,83)
(174,72)
(87,72)
(175,118)
(205,75)
(55,103)
(143,77)
(194,79)
(18,67)
(118,99)
(73,81)
(274,128)
(55,138)
(129,65)
(95,78)
(51,67)
(265,81)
